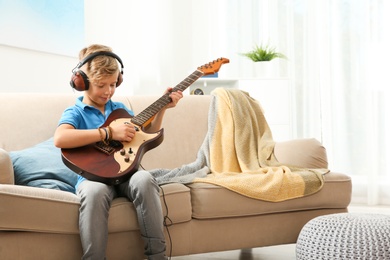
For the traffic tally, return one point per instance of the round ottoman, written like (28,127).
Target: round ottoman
(345,236)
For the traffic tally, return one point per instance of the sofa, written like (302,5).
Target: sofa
(41,222)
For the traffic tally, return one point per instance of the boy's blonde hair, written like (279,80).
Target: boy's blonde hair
(100,66)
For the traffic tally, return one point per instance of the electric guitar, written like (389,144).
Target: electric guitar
(115,162)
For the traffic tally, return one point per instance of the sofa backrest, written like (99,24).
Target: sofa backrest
(185,128)
(28,119)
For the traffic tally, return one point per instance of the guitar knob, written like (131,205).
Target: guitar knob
(122,152)
(127,158)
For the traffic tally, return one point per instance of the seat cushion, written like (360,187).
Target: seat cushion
(336,193)
(54,211)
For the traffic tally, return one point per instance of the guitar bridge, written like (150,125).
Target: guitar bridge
(108,148)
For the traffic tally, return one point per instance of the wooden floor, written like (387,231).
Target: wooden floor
(284,252)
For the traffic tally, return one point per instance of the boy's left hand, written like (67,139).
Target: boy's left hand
(175,96)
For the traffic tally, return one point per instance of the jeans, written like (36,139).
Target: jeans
(143,190)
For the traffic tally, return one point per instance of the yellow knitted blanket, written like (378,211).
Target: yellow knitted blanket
(241,155)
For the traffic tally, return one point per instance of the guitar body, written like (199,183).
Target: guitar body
(116,162)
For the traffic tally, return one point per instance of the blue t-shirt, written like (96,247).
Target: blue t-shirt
(83,116)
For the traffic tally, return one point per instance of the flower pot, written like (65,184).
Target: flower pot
(266,69)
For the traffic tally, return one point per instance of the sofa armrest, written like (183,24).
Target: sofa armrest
(6,168)
(305,153)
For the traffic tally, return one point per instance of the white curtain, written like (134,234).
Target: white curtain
(338,52)
(340,73)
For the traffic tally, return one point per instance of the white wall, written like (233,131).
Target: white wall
(160,43)
(24,70)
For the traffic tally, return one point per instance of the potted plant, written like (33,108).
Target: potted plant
(263,53)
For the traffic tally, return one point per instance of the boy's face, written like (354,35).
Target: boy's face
(100,92)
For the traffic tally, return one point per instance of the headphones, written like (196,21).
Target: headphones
(80,80)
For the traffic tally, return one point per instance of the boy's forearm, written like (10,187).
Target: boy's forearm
(76,138)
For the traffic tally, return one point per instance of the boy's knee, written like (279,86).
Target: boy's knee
(143,180)
(94,191)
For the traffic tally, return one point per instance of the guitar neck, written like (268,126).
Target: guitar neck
(143,118)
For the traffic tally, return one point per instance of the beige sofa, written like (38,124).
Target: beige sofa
(38,223)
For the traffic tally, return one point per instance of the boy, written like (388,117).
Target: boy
(98,73)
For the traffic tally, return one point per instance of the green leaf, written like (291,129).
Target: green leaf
(263,53)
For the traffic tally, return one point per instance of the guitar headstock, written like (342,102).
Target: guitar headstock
(213,67)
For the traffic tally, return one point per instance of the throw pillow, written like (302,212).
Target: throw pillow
(42,166)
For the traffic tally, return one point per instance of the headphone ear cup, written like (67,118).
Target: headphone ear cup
(79,81)
(120,79)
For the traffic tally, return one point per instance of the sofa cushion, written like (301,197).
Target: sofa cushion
(54,211)
(336,193)
(42,166)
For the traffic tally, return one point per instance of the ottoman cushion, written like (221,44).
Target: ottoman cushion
(345,236)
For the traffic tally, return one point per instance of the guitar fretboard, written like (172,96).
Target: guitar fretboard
(154,108)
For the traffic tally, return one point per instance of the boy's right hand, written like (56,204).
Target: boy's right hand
(123,132)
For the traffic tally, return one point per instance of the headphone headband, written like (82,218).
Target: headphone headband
(99,53)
